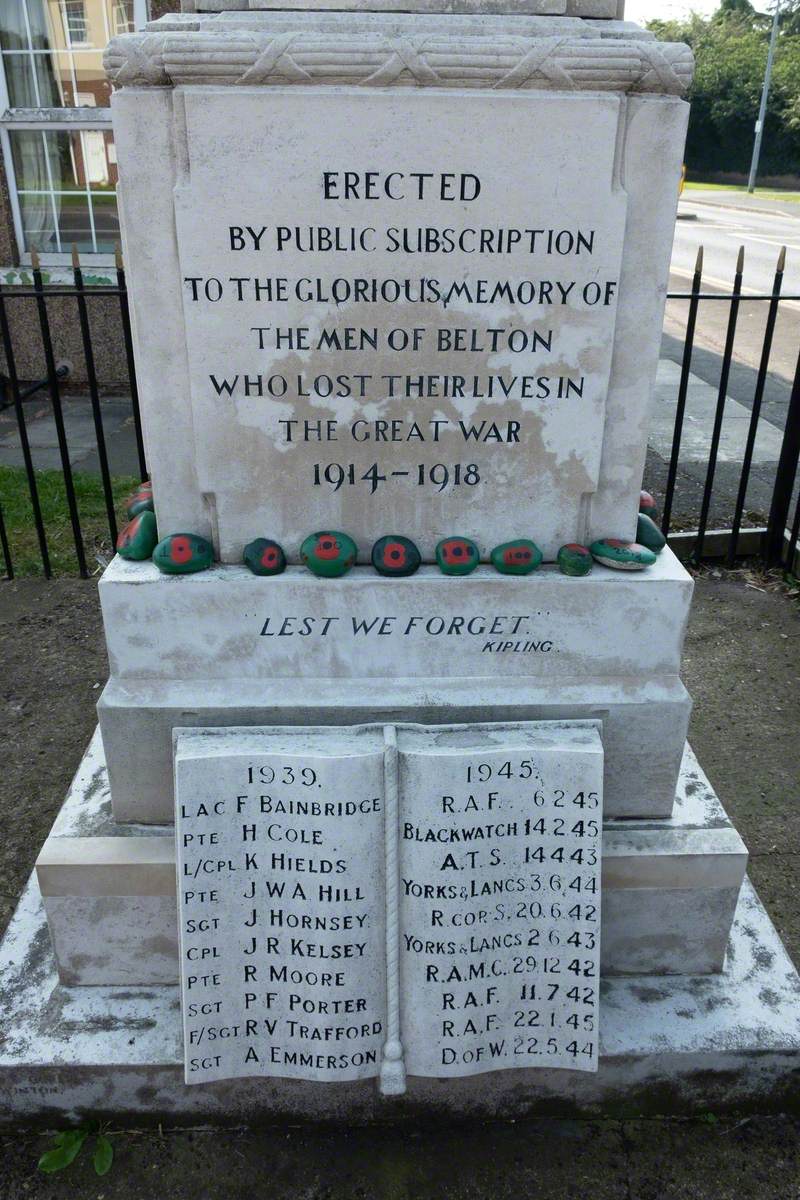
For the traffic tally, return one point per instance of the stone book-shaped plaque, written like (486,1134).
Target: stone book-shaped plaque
(389,900)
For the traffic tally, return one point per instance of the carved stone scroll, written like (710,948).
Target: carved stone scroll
(366,59)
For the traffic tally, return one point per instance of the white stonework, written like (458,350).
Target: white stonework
(669,887)
(681,1045)
(567,465)
(644,724)
(227,624)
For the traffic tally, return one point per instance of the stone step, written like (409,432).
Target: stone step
(228,624)
(669,887)
(668,1046)
(645,723)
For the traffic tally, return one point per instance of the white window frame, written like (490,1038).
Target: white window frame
(62,120)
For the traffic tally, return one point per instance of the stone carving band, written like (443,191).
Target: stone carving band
(377,60)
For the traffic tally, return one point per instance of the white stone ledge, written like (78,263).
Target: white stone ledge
(226,623)
(644,724)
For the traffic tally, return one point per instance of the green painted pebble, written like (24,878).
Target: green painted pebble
(574,559)
(183,554)
(457,556)
(137,541)
(328,553)
(647,505)
(519,557)
(264,557)
(621,555)
(648,534)
(139,502)
(396,556)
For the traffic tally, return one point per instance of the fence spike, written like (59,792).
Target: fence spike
(740,261)
(781,263)
(118,256)
(698,266)
(34,258)
(76,258)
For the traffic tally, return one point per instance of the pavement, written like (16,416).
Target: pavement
(118,428)
(743,670)
(720,198)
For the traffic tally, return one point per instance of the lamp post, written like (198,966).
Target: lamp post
(762,108)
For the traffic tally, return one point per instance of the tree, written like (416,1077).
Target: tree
(730,49)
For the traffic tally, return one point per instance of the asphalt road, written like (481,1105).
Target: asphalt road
(721,231)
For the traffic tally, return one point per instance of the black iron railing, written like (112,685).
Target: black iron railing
(774,542)
(41,293)
(777,548)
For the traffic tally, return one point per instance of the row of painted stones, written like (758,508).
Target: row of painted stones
(330,554)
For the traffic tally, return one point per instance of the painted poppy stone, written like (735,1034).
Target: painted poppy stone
(574,559)
(457,556)
(328,553)
(395,555)
(647,505)
(648,534)
(137,541)
(264,557)
(519,557)
(183,554)
(622,556)
(139,502)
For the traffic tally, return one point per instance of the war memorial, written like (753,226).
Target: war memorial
(390,813)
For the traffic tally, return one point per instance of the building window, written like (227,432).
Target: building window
(58,147)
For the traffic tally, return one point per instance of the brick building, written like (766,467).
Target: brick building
(58,171)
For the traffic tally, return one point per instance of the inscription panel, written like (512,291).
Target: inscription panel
(280,884)
(500,901)
(404,311)
(384,901)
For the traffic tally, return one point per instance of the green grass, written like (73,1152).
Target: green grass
(762,193)
(18,516)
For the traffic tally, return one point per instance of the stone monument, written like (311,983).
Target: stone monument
(369,839)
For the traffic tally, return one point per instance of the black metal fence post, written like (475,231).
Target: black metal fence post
(784,480)
(682,389)
(722,395)
(11,366)
(126,330)
(758,395)
(55,399)
(5,547)
(94,394)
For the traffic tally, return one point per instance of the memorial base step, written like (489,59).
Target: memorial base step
(669,887)
(668,1045)
(644,723)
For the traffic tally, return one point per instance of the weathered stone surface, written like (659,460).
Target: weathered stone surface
(226,624)
(519,557)
(574,559)
(329,554)
(667,1044)
(183,554)
(622,555)
(669,887)
(395,555)
(579,493)
(647,505)
(138,539)
(644,720)
(264,557)
(648,534)
(457,556)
